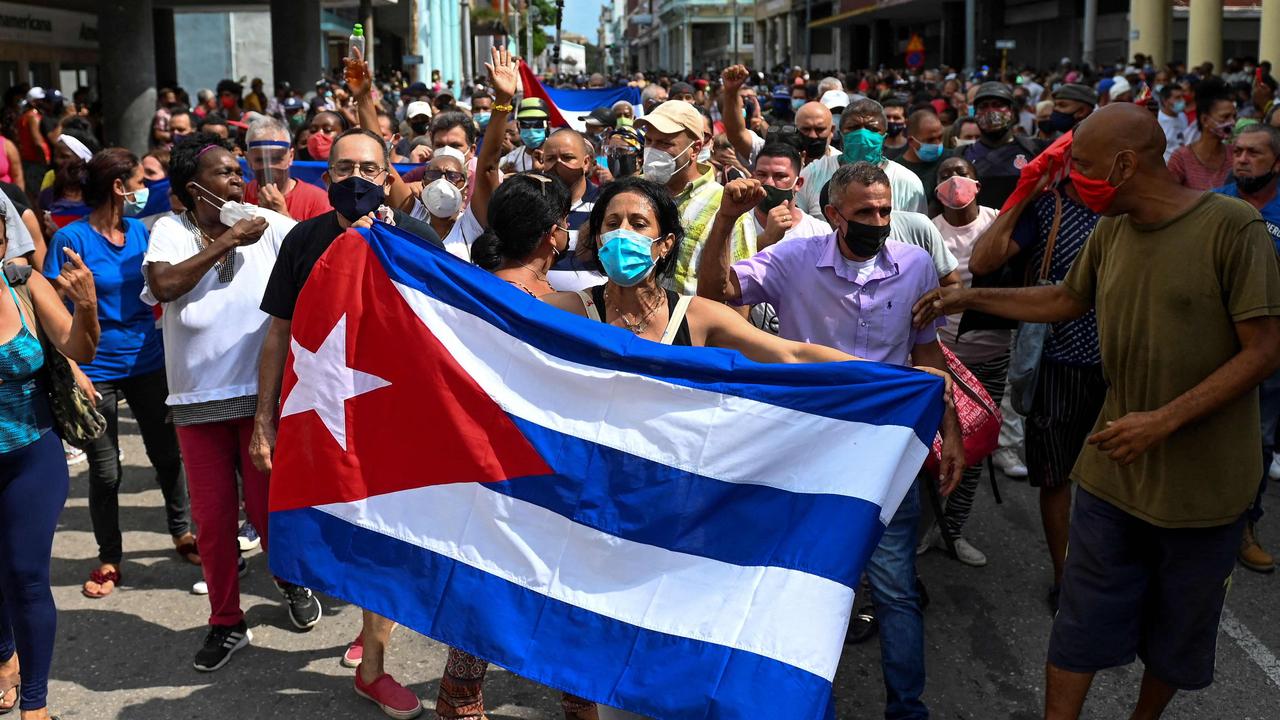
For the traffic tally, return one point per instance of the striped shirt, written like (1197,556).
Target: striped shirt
(698,204)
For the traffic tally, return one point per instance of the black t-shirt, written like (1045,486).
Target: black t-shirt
(928,174)
(304,245)
(16,196)
(1000,167)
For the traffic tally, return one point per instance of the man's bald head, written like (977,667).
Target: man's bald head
(814,120)
(1123,146)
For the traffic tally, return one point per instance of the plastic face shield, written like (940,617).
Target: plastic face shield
(269,161)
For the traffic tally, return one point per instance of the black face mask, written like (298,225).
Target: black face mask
(1252,185)
(1046,127)
(1061,122)
(896,129)
(419,128)
(864,240)
(815,148)
(355,197)
(773,197)
(622,166)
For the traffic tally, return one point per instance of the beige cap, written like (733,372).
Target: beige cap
(672,117)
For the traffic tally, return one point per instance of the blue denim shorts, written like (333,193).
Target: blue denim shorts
(1133,589)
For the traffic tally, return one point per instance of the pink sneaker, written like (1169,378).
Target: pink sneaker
(355,653)
(394,699)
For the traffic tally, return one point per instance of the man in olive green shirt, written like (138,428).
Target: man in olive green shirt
(1187,290)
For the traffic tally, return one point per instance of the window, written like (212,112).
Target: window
(748,33)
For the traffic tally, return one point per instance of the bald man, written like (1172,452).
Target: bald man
(567,154)
(1187,293)
(816,126)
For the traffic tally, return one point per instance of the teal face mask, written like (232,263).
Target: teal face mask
(533,137)
(625,257)
(133,207)
(863,145)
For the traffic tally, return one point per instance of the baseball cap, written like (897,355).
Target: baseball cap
(1076,92)
(417,108)
(35,93)
(417,88)
(1118,88)
(672,117)
(993,89)
(532,108)
(835,99)
(601,116)
(291,104)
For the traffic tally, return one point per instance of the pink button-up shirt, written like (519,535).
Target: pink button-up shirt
(819,299)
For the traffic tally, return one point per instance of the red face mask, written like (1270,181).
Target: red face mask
(319,145)
(957,191)
(228,102)
(1096,194)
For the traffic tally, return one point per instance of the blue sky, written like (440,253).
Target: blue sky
(582,17)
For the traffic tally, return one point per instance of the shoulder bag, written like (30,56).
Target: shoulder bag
(1028,346)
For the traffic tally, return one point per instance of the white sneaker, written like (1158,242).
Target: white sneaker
(929,540)
(74,455)
(200,588)
(1008,461)
(1273,472)
(968,554)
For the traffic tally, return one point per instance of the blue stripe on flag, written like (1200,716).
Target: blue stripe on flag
(892,395)
(581,102)
(648,502)
(658,674)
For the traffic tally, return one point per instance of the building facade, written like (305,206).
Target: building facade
(686,36)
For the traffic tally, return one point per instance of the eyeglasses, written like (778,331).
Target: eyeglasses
(452,176)
(531,124)
(346,168)
(620,152)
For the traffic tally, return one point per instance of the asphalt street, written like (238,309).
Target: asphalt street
(129,655)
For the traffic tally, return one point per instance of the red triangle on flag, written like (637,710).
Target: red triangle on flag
(533,88)
(430,424)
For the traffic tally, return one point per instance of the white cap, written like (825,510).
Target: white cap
(1118,88)
(417,108)
(450,152)
(835,99)
(35,93)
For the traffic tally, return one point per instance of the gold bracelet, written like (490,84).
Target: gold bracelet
(503,108)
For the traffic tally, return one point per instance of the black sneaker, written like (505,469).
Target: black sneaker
(304,608)
(221,642)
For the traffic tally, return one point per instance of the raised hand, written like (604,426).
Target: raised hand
(741,196)
(733,77)
(245,232)
(76,281)
(359,79)
(504,74)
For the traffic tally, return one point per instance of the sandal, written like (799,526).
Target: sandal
(187,549)
(7,706)
(101,578)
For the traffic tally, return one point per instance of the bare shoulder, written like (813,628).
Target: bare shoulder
(570,301)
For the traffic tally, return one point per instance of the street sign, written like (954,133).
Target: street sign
(1006,44)
(915,52)
(642,19)
(411,60)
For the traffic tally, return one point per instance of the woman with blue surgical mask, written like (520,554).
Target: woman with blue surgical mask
(634,236)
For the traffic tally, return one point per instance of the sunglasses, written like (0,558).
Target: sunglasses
(531,124)
(452,176)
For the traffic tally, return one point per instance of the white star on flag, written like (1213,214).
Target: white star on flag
(326,382)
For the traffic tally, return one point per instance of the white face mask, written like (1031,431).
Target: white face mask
(230,212)
(962,143)
(704,155)
(660,166)
(442,199)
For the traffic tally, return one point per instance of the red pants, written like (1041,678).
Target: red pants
(212,454)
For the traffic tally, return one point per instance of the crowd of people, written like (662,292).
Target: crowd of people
(1051,234)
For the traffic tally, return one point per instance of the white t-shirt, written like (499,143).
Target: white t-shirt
(520,158)
(213,335)
(905,186)
(976,346)
(1176,132)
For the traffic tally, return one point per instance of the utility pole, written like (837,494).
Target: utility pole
(467,54)
(970,35)
(1090,32)
(808,37)
(735,32)
(530,14)
(555,55)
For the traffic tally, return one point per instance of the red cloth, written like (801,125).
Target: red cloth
(211,454)
(304,201)
(533,88)
(1056,160)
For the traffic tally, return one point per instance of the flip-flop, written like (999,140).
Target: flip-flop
(101,578)
(6,708)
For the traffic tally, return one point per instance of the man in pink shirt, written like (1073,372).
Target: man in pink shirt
(852,289)
(270,155)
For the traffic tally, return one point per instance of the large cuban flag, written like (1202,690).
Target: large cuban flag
(670,530)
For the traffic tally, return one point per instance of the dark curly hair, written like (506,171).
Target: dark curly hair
(184,163)
(664,209)
(523,208)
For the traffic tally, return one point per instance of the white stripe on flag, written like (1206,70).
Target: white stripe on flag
(787,615)
(676,425)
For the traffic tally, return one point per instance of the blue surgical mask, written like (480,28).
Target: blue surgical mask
(1179,106)
(625,256)
(930,152)
(133,205)
(863,145)
(482,119)
(796,104)
(533,137)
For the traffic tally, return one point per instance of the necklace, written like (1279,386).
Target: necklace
(638,326)
(226,267)
(541,276)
